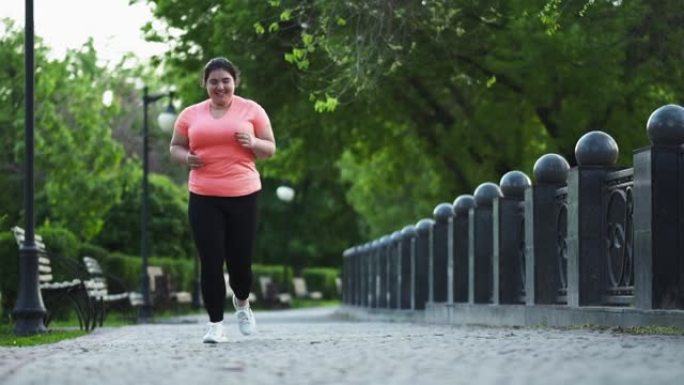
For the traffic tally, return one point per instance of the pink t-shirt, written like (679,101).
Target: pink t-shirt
(228,169)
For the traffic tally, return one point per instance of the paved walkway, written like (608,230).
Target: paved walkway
(316,346)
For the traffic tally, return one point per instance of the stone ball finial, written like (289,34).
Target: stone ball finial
(408,231)
(485,193)
(596,148)
(348,252)
(514,183)
(463,204)
(443,211)
(665,126)
(374,245)
(551,168)
(424,225)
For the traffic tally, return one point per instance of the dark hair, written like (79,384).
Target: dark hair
(220,63)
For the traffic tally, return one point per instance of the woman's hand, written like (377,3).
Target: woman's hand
(193,161)
(245,139)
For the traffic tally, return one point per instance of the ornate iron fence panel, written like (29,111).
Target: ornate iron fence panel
(619,237)
(562,244)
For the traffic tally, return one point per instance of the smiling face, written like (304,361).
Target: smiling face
(220,86)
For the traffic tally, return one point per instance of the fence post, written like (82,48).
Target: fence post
(346,274)
(356,276)
(596,153)
(542,279)
(480,244)
(395,270)
(422,262)
(442,252)
(462,206)
(376,253)
(362,266)
(382,275)
(508,239)
(659,213)
(370,273)
(407,252)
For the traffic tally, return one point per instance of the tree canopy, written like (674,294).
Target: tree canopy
(422,101)
(381,109)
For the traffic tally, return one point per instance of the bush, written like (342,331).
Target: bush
(91,250)
(129,268)
(168,224)
(321,279)
(125,267)
(9,272)
(181,271)
(59,240)
(275,272)
(62,243)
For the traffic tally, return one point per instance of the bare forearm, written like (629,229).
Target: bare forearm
(263,148)
(179,154)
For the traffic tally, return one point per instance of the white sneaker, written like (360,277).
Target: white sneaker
(215,333)
(245,318)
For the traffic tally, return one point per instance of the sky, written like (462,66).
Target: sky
(113,24)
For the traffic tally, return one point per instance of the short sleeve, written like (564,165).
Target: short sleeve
(260,120)
(183,122)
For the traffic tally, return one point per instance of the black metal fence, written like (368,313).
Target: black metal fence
(592,235)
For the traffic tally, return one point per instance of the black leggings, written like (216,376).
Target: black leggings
(224,229)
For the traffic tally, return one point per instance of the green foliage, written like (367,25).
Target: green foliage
(128,268)
(125,267)
(319,223)
(77,161)
(8,339)
(276,272)
(9,272)
(652,330)
(75,145)
(169,231)
(321,279)
(91,250)
(59,240)
(363,95)
(181,271)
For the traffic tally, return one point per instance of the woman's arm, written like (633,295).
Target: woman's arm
(263,146)
(180,151)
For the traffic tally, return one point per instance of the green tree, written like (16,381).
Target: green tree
(169,232)
(80,162)
(465,89)
(323,223)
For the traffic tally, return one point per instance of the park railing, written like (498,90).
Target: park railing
(595,235)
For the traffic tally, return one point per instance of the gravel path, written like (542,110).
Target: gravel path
(316,346)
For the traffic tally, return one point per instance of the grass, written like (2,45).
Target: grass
(652,330)
(67,327)
(634,330)
(305,303)
(7,337)
(296,303)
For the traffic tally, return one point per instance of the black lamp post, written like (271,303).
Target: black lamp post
(165,120)
(29,310)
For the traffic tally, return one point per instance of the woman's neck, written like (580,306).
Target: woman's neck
(221,106)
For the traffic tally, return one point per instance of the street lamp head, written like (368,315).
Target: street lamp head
(285,193)
(167,118)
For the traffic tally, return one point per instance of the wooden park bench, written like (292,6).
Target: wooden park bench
(163,291)
(108,292)
(59,293)
(271,295)
(301,291)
